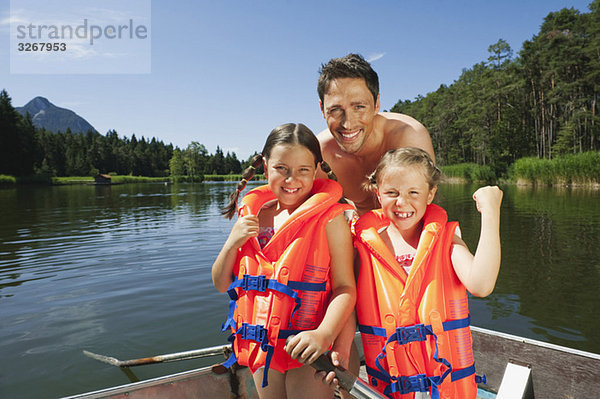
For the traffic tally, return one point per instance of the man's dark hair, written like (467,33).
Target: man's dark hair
(350,66)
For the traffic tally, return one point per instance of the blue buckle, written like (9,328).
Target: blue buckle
(256,283)
(253,332)
(414,383)
(414,333)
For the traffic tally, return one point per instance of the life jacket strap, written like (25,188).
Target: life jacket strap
(258,283)
(454,376)
(414,333)
(257,333)
(422,383)
(284,334)
(413,383)
(417,332)
(467,371)
(261,284)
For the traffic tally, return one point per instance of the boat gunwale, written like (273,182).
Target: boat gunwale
(121,389)
(534,342)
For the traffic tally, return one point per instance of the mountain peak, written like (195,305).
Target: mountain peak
(50,117)
(39,103)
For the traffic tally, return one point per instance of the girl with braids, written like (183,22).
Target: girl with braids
(287,267)
(414,272)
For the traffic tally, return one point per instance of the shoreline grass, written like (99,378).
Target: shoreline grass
(573,169)
(124,179)
(230,178)
(469,172)
(7,180)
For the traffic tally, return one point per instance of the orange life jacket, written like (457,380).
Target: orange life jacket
(283,288)
(414,328)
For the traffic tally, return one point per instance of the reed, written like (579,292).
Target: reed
(7,180)
(583,168)
(64,180)
(120,179)
(232,178)
(470,172)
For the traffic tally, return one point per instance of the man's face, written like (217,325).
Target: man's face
(349,110)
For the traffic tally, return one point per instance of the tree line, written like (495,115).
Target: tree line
(542,103)
(26,150)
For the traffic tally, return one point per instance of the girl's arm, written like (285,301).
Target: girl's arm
(222,270)
(307,346)
(478,273)
(340,352)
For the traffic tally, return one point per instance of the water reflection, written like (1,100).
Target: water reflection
(550,271)
(124,270)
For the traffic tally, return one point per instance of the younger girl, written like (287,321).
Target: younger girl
(287,266)
(412,308)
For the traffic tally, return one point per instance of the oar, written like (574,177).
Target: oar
(169,357)
(347,381)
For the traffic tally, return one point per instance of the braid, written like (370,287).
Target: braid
(247,175)
(331,176)
(327,169)
(371,183)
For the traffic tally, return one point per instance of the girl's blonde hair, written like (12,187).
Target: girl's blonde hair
(405,156)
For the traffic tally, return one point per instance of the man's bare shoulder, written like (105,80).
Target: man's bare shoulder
(395,123)
(401,130)
(324,136)
(329,147)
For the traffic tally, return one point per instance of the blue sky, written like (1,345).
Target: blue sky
(226,72)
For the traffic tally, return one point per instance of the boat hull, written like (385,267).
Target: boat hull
(214,382)
(556,372)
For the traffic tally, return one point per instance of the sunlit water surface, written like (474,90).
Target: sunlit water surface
(124,270)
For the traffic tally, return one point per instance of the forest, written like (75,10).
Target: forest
(29,151)
(540,104)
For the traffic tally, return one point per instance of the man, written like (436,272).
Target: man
(356,138)
(358,134)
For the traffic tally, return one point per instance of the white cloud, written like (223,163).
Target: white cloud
(13,19)
(375,57)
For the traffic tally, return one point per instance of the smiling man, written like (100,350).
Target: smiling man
(358,134)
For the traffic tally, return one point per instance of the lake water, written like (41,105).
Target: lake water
(124,270)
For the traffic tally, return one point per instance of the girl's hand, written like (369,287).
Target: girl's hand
(222,269)
(307,346)
(488,199)
(243,229)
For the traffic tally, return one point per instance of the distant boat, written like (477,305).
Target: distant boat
(515,367)
(102,179)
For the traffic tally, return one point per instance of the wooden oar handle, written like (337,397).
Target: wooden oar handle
(345,378)
(323,363)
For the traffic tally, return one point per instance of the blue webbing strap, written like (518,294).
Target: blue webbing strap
(414,383)
(405,333)
(377,375)
(303,286)
(467,371)
(414,333)
(419,380)
(372,330)
(284,334)
(232,359)
(256,332)
(261,284)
